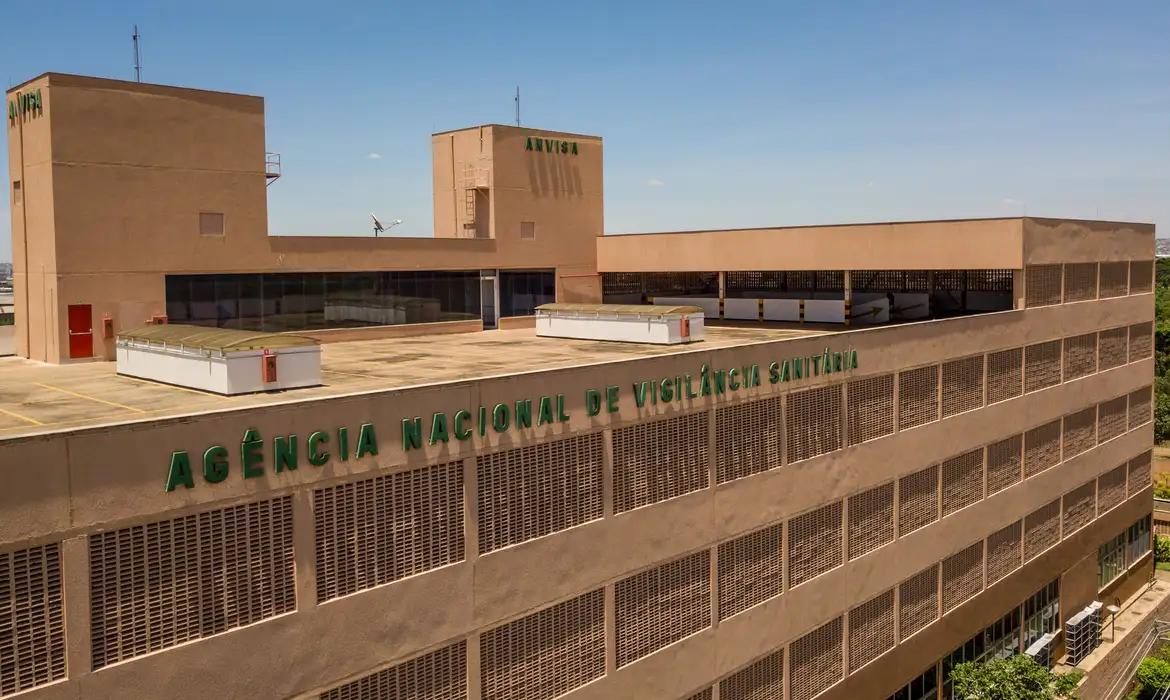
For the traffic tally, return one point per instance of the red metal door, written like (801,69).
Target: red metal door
(80,331)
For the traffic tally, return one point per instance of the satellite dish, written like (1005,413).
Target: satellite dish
(378,227)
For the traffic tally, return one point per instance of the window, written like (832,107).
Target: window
(17,197)
(999,640)
(1111,560)
(1042,613)
(1139,540)
(296,301)
(210,223)
(521,291)
(528,230)
(924,687)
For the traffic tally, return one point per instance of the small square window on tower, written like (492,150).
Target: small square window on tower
(528,230)
(17,196)
(210,223)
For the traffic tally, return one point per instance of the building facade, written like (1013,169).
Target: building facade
(786,510)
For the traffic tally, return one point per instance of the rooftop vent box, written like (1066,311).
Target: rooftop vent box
(219,360)
(657,325)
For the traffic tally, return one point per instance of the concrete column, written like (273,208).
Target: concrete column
(75,593)
(610,629)
(474,669)
(722,285)
(848,296)
(607,472)
(470,511)
(305,549)
(1018,281)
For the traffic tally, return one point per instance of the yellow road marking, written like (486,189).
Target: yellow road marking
(17,415)
(352,374)
(176,388)
(90,398)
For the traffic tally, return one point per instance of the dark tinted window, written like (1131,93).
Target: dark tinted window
(521,291)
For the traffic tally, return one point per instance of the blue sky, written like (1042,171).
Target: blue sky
(713,114)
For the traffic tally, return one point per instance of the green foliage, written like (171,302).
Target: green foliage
(1016,678)
(1162,553)
(1162,351)
(1153,676)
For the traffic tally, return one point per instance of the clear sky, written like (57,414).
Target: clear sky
(714,114)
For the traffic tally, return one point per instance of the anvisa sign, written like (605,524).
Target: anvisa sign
(539,145)
(25,104)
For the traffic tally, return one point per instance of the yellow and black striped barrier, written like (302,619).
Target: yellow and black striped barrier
(761,310)
(848,310)
(720,308)
(802,310)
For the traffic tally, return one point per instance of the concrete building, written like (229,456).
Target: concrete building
(899,446)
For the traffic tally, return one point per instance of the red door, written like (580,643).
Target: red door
(80,331)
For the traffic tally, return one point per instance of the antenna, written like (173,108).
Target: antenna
(137,62)
(517,105)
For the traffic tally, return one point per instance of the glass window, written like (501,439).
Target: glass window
(178,298)
(924,687)
(1139,540)
(1042,613)
(1111,560)
(521,291)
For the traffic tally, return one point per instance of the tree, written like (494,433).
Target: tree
(1016,678)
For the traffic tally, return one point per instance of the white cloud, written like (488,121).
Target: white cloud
(654,183)
(870,184)
(1009,200)
(374,156)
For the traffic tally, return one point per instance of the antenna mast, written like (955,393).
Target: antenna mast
(137,62)
(517,105)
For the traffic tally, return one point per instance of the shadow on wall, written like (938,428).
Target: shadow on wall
(552,174)
(7,339)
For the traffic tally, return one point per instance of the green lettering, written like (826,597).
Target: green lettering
(785,372)
(611,399)
(215,465)
(592,402)
(546,412)
(316,458)
(411,434)
(574,149)
(733,378)
(798,368)
(180,472)
(343,441)
(561,415)
(524,413)
(667,390)
(640,391)
(704,381)
(690,392)
(721,381)
(528,144)
(837,362)
(482,422)
(853,359)
(367,443)
(252,454)
(462,433)
(774,373)
(439,428)
(500,417)
(284,453)
(753,375)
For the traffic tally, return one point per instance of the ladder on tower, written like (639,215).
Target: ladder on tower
(474,178)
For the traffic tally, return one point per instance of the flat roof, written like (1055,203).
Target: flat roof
(37,398)
(217,339)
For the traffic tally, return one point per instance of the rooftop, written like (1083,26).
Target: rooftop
(37,398)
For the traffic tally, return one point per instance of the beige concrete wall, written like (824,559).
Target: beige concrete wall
(72,493)
(1070,241)
(927,245)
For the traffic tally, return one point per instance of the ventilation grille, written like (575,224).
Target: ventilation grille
(917,500)
(817,661)
(871,520)
(385,529)
(537,490)
(763,680)
(962,385)
(814,544)
(813,422)
(158,585)
(1141,277)
(1041,366)
(1141,345)
(917,601)
(1080,282)
(1004,463)
(1113,348)
(1041,285)
(661,606)
(871,408)
(750,570)
(704,694)
(1080,430)
(1139,407)
(1005,375)
(1111,489)
(1004,551)
(737,457)
(1111,417)
(871,630)
(1139,473)
(32,618)
(546,654)
(1114,279)
(439,675)
(654,462)
(962,481)
(1080,356)
(962,575)
(1041,529)
(1080,507)
(917,397)
(1041,448)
